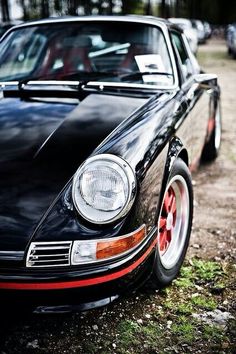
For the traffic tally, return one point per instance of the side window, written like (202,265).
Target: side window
(183,54)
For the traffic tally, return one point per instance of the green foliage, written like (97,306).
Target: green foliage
(206,270)
(184,329)
(212,332)
(204,303)
(200,270)
(185,308)
(127,331)
(183,282)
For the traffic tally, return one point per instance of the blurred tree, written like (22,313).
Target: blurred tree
(24,10)
(132,7)
(5,10)
(217,11)
(177,8)
(148,9)
(165,9)
(72,7)
(58,6)
(44,8)
(86,4)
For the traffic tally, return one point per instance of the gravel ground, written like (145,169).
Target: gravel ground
(194,315)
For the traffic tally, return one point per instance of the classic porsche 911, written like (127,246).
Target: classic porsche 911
(102,120)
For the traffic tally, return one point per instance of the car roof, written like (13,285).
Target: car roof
(157,21)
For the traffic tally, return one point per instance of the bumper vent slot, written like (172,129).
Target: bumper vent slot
(49,254)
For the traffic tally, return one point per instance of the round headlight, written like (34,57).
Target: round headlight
(103,188)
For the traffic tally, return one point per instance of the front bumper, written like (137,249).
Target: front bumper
(78,287)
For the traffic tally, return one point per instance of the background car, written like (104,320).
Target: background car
(231,39)
(97,147)
(208,30)
(198,25)
(189,31)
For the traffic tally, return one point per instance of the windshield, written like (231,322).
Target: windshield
(101,51)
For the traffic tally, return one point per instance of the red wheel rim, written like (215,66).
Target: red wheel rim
(167,220)
(173,221)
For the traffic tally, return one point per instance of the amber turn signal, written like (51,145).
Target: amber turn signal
(107,249)
(97,250)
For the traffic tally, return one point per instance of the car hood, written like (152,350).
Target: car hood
(42,144)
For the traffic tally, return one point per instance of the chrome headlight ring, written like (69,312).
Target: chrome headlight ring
(103,189)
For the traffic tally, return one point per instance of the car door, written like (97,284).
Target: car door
(197,99)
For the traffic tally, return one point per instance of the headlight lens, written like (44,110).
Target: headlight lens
(103,188)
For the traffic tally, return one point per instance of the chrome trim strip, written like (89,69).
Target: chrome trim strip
(33,259)
(110,84)
(8,83)
(52,82)
(50,260)
(11,252)
(11,255)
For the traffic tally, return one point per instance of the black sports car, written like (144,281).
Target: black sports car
(101,121)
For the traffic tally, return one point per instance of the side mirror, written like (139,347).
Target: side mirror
(206,81)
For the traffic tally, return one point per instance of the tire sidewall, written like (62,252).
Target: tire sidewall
(165,276)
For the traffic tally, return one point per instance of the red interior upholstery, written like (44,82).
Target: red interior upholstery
(71,56)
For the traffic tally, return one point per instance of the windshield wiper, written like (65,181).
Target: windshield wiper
(89,74)
(140,74)
(85,76)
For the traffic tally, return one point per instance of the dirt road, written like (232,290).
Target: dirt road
(194,315)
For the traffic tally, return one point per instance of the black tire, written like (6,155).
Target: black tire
(164,271)
(212,146)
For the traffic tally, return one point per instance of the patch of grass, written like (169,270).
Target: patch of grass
(185,308)
(91,348)
(204,303)
(185,279)
(200,270)
(186,272)
(150,333)
(213,333)
(168,304)
(183,283)
(206,270)
(131,334)
(128,330)
(184,329)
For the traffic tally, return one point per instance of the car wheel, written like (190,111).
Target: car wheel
(174,225)
(212,147)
